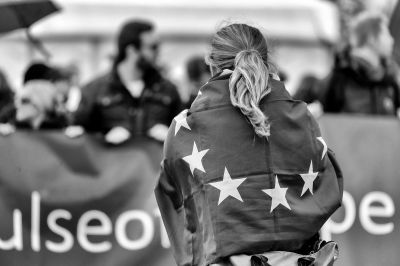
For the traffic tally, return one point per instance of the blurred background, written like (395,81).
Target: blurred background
(302,33)
(79,37)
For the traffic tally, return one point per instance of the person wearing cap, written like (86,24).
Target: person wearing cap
(37,103)
(37,106)
(58,76)
(134,98)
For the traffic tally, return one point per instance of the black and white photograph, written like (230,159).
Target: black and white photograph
(199,133)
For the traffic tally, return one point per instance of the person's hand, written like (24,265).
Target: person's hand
(74,131)
(6,129)
(316,109)
(117,135)
(158,132)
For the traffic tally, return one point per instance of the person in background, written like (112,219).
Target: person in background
(198,73)
(364,78)
(309,92)
(59,79)
(37,107)
(38,104)
(134,98)
(55,75)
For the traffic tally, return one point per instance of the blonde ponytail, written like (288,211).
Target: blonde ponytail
(244,50)
(248,84)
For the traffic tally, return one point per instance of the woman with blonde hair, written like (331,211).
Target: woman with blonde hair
(246,177)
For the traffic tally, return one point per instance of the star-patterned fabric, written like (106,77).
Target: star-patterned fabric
(223,190)
(308,179)
(278,195)
(228,187)
(194,159)
(180,121)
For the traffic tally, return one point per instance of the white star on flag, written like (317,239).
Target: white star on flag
(194,160)
(278,195)
(308,179)
(325,146)
(181,121)
(228,187)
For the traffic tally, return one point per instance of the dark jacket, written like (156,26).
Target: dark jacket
(7,107)
(106,103)
(351,89)
(207,224)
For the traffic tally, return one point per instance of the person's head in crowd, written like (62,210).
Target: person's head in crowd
(307,85)
(39,71)
(244,50)
(369,31)
(198,72)
(36,103)
(137,42)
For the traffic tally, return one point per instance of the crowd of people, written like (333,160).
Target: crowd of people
(364,79)
(133,99)
(243,93)
(136,99)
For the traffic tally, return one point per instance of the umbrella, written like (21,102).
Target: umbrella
(16,14)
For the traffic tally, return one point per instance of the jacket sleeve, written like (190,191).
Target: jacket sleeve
(170,203)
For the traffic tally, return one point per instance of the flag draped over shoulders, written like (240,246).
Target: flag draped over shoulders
(224,191)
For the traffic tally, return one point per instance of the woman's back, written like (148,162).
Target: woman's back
(237,193)
(245,170)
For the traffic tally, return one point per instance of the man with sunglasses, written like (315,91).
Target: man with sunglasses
(134,98)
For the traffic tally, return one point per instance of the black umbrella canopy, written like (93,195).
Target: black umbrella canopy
(16,14)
